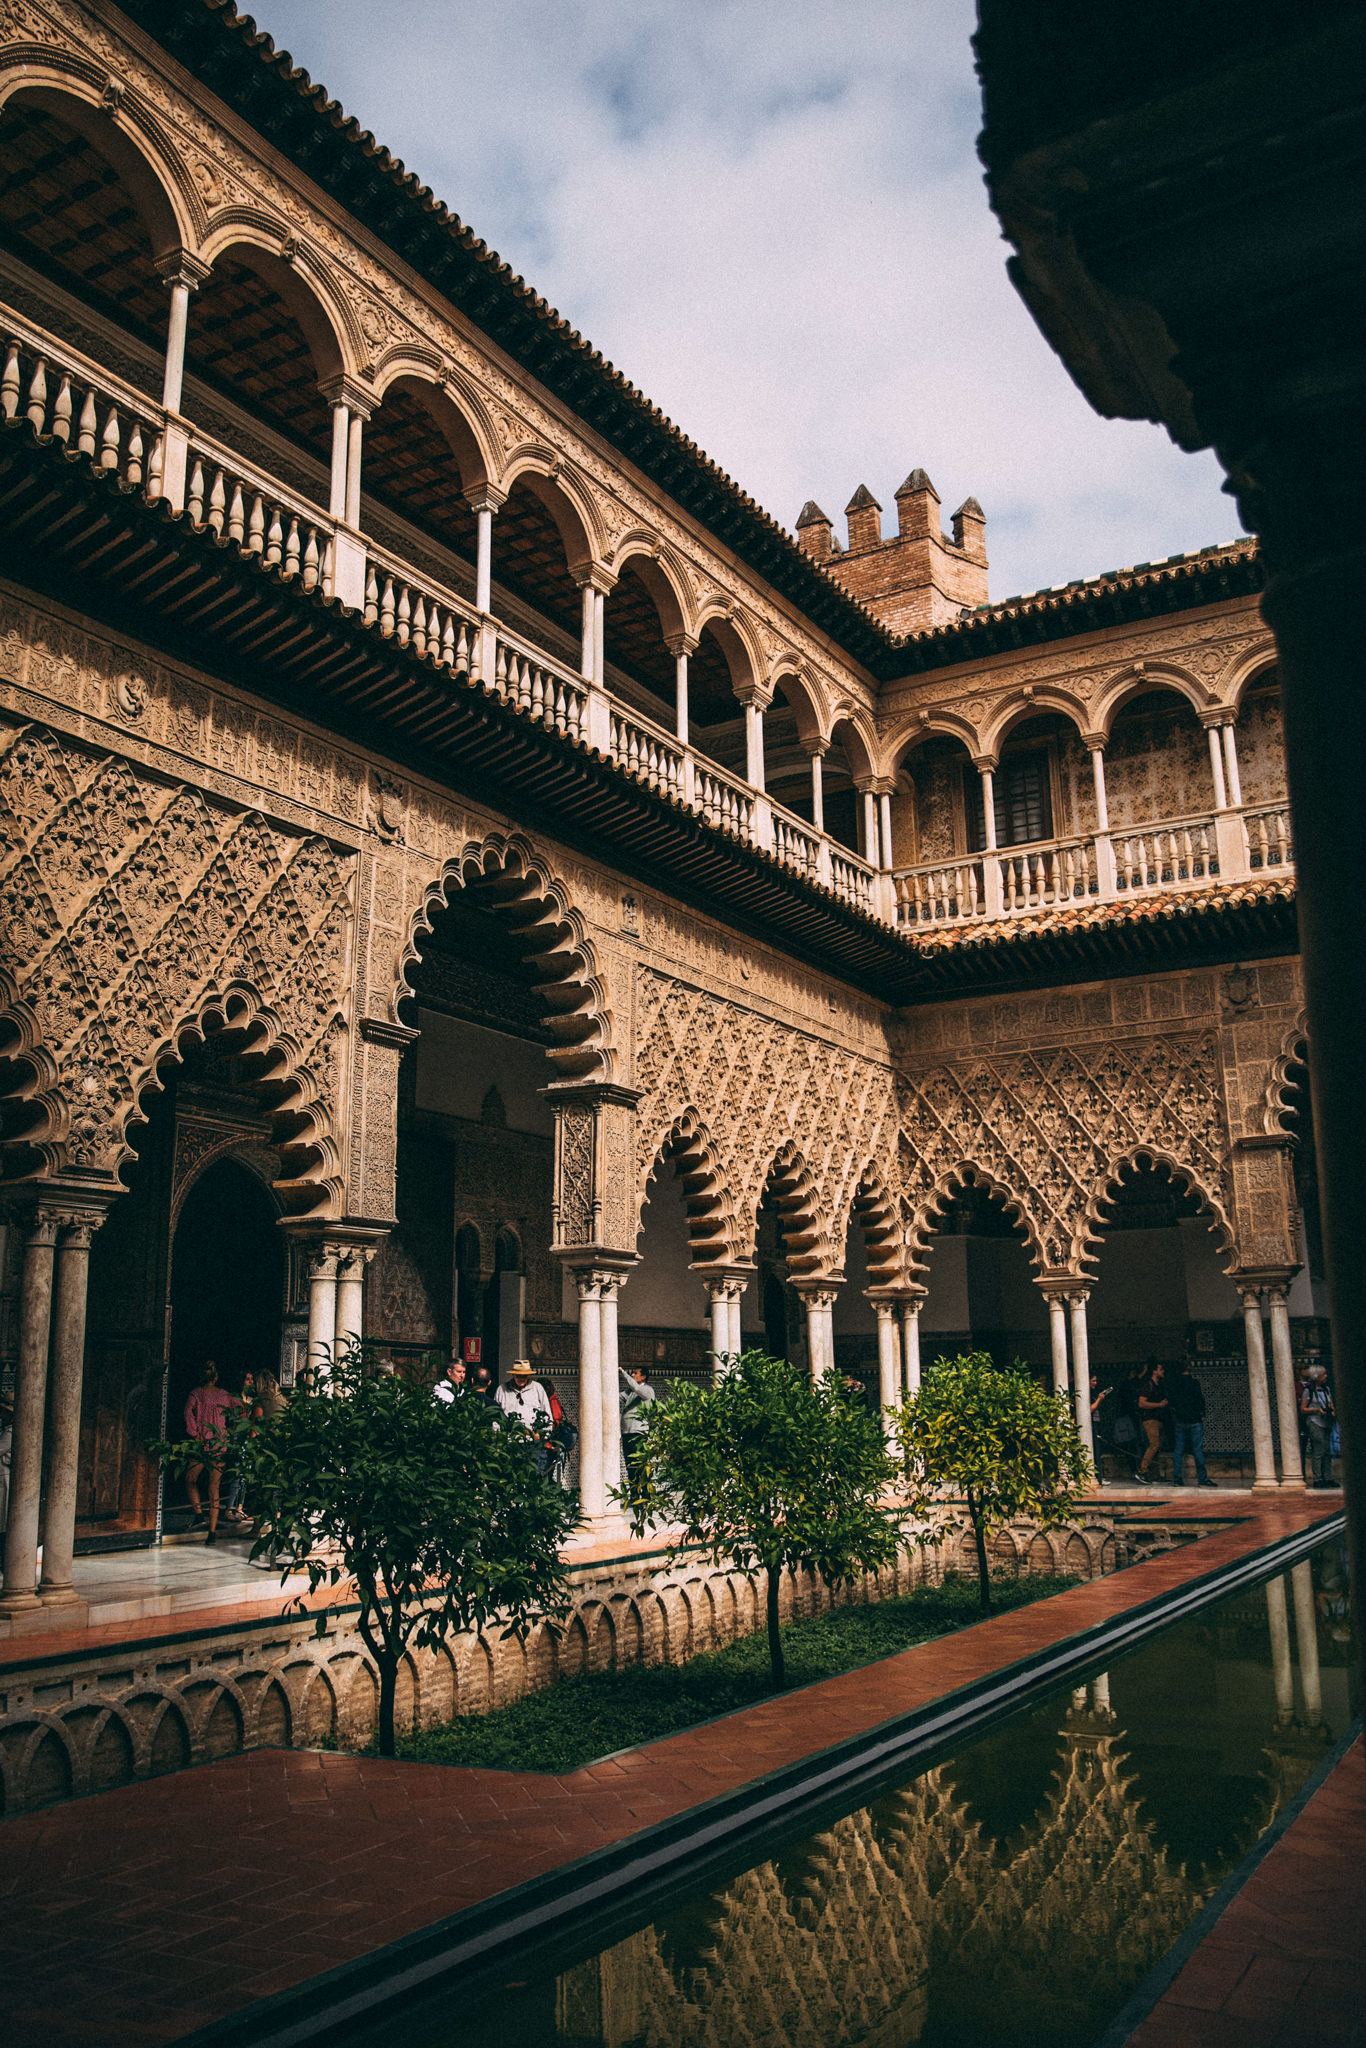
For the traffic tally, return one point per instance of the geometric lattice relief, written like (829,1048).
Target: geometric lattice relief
(1051,1130)
(755,1087)
(133,909)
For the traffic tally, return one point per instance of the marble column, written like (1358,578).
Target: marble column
(1287,1397)
(820,1330)
(351,1294)
(65,1381)
(613,1473)
(600,638)
(1216,762)
(888,1356)
(1232,778)
(754,743)
(884,812)
(1278,1626)
(483,558)
(588,632)
(817,755)
(723,1295)
(1263,1449)
(1081,1370)
(30,1403)
(341,443)
(353,454)
(1307,1642)
(177,327)
(1057,1331)
(910,1342)
(868,812)
(591,1488)
(322,1308)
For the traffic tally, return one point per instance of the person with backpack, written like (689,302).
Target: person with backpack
(637,1397)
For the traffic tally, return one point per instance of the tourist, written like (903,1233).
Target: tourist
(206,1414)
(527,1400)
(1153,1409)
(1319,1413)
(451,1382)
(480,1382)
(637,1398)
(1187,1405)
(1127,1429)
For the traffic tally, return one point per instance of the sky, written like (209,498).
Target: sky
(770,216)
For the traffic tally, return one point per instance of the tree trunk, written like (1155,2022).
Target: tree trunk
(775,1635)
(387,1664)
(983,1569)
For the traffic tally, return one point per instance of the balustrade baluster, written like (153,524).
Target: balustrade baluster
(36,411)
(403,616)
(9,382)
(256,525)
(386,609)
(156,466)
(61,411)
(89,425)
(275,537)
(109,441)
(448,639)
(312,564)
(291,548)
(237,514)
(462,649)
(133,469)
(418,635)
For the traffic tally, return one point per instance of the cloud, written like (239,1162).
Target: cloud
(773,221)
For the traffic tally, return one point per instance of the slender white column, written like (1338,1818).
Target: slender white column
(64,1407)
(1263,1450)
(885,826)
(737,1342)
(910,1344)
(591,1489)
(1081,1370)
(888,1356)
(1287,1401)
(988,807)
(1057,1330)
(754,744)
(718,1297)
(818,789)
(351,1294)
(341,437)
(1307,1642)
(599,631)
(322,1308)
(1231,775)
(30,1402)
(1282,1673)
(588,633)
(869,832)
(1100,1693)
(681,695)
(609,1286)
(1098,777)
(820,1331)
(357,430)
(177,326)
(483,561)
(1216,762)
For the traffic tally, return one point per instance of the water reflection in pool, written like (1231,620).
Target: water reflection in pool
(1011,1897)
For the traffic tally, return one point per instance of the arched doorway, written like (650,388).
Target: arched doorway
(229,1264)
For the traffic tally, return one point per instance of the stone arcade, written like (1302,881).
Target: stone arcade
(472,879)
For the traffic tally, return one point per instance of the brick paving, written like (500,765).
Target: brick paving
(139,1914)
(1283,1965)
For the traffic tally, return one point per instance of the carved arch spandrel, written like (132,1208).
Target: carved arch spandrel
(136,912)
(1278,1100)
(507,877)
(957,1180)
(876,1212)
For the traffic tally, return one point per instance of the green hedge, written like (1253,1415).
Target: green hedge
(579,1719)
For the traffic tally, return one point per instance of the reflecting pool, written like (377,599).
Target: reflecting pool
(1014,1896)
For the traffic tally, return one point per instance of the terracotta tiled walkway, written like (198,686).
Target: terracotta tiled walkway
(139,1914)
(1284,1965)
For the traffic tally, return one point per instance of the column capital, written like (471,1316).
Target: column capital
(1257,1279)
(1094,742)
(1250,1296)
(346,391)
(1217,715)
(1078,1296)
(986,764)
(596,1278)
(823,1293)
(753,695)
(681,643)
(730,1281)
(595,576)
(884,785)
(816,747)
(485,498)
(180,267)
(1060,1287)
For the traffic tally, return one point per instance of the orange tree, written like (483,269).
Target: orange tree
(997,1439)
(769,1470)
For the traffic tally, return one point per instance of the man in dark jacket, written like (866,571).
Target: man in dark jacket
(1187,1404)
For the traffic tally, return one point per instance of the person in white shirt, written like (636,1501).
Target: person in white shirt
(451,1383)
(528,1400)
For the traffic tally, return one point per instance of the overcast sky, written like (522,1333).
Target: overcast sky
(770,216)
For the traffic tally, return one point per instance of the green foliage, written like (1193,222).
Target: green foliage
(438,1517)
(580,1719)
(1010,1449)
(772,1470)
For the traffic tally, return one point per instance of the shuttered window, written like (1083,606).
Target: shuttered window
(1024,809)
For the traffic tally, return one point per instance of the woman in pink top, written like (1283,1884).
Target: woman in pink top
(205,1413)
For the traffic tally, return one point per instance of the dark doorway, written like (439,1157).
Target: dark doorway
(227,1284)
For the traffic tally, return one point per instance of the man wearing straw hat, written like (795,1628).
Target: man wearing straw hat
(528,1400)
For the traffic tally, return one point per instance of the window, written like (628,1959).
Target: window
(1024,804)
